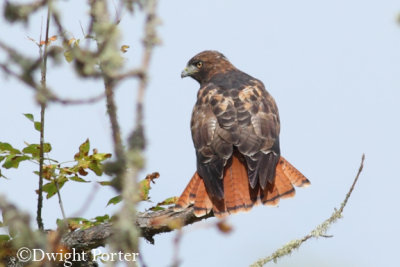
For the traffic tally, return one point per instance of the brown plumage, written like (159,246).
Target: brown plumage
(235,130)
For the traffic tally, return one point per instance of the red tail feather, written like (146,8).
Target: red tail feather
(238,195)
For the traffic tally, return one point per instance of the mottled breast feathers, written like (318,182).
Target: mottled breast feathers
(235,114)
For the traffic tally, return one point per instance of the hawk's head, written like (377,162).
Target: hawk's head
(206,64)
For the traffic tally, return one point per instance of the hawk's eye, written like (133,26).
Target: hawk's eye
(199,64)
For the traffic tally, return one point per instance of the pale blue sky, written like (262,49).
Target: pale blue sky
(333,68)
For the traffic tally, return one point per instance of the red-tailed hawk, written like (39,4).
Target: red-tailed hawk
(235,130)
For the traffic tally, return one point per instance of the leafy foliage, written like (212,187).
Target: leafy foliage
(102,61)
(57,174)
(82,223)
(69,47)
(167,202)
(115,200)
(144,189)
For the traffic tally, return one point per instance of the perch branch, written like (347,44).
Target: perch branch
(157,222)
(149,223)
(152,223)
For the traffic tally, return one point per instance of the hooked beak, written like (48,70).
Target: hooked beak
(188,71)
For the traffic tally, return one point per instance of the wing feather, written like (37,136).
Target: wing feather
(243,118)
(259,142)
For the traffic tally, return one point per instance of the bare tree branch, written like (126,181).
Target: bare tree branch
(83,101)
(43,81)
(126,237)
(157,222)
(319,231)
(46,94)
(149,223)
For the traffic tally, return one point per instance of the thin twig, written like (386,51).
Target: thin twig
(319,231)
(83,31)
(27,65)
(67,101)
(118,11)
(150,40)
(99,15)
(112,113)
(41,159)
(42,115)
(46,94)
(177,242)
(125,237)
(57,22)
(135,73)
(60,201)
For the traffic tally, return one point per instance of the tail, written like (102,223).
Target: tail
(238,194)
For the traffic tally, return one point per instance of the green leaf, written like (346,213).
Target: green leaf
(12,161)
(77,219)
(101,156)
(47,147)
(144,187)
(29,117)
(34,149)
(69,56)
(78,179)
(9,148)
(95,162)
(4,238)
(166,202)
(156,208)
(105,183)
(74,222)
(67,170)
(83,150)
(60,223)
(102,219)
(96,167)
(51,188)
(87,224)
(37,125)
(49,171)
(115,200)
(84,147)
